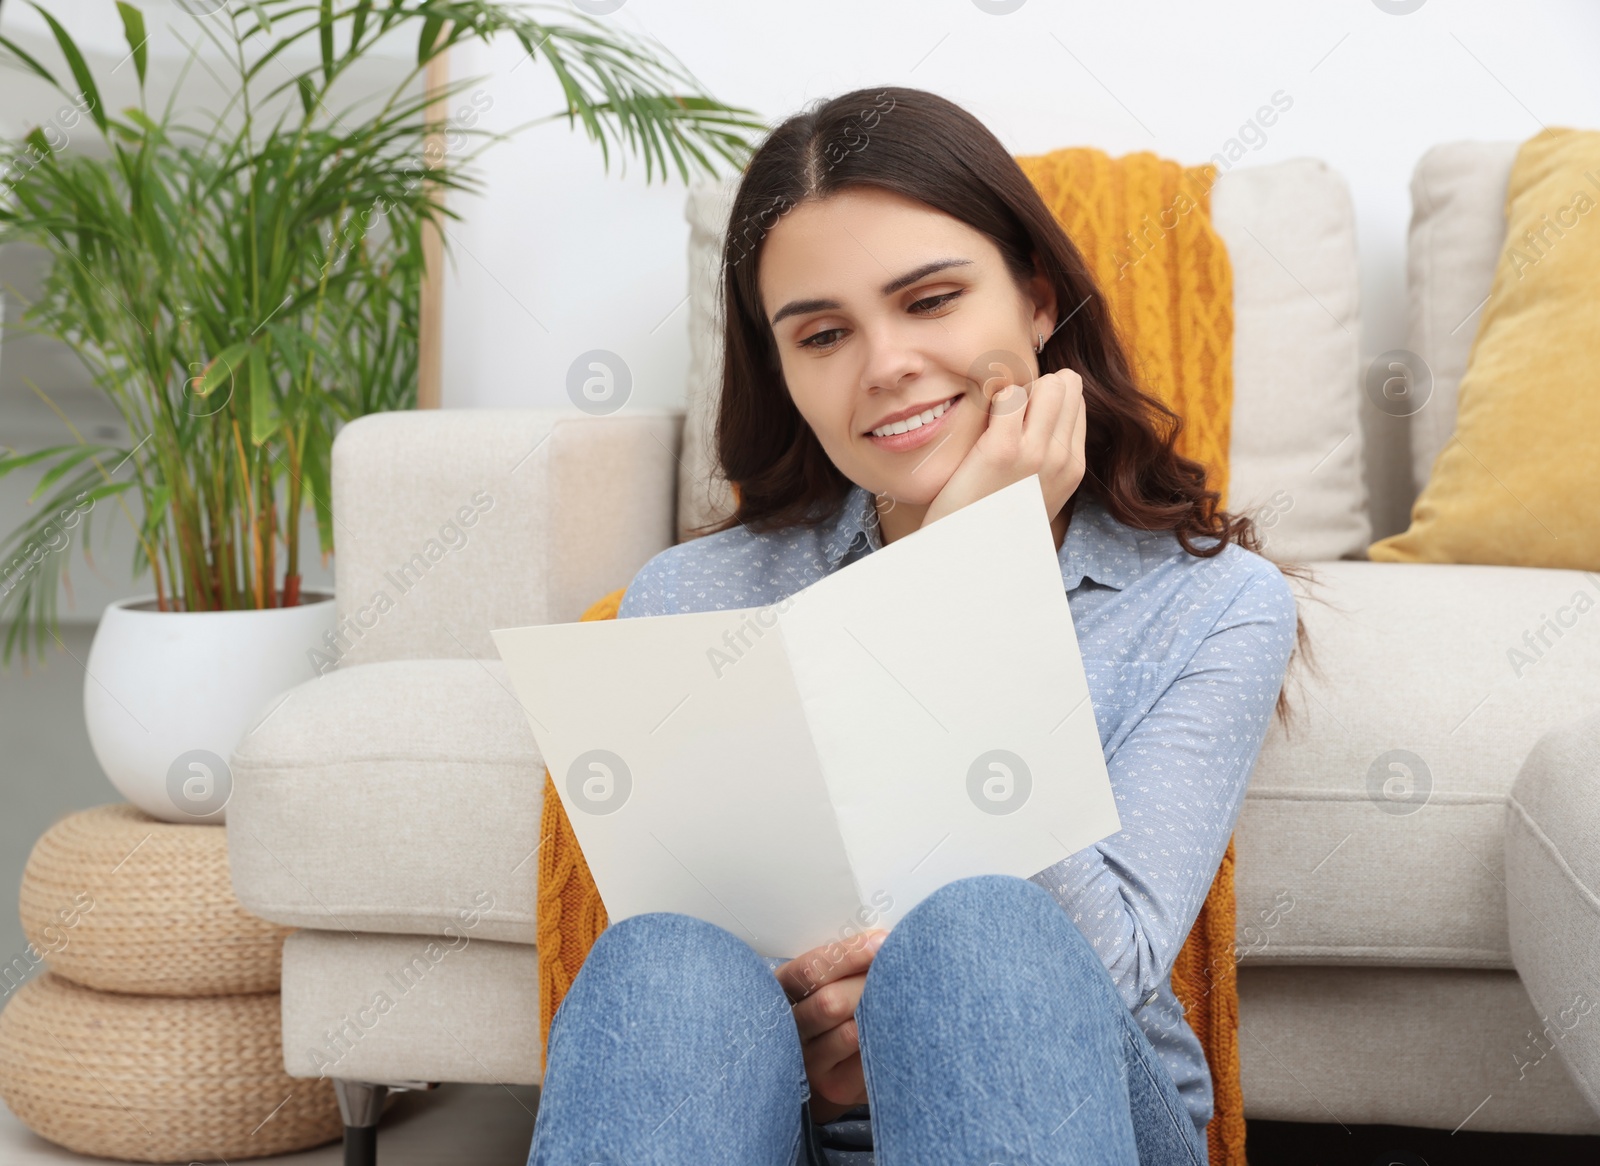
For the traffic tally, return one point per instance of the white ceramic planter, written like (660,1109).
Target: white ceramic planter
(168,695)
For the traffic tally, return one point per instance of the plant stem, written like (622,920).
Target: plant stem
(291,570)
(250,509)
(269,526)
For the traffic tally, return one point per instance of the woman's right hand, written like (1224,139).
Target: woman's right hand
(1038,429)
(824,986)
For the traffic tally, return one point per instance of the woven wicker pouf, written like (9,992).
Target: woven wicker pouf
(155,1035)
(157,1079)
(116,900)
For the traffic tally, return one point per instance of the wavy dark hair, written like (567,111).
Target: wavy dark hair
(927,148)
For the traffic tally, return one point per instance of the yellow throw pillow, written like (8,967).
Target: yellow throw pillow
(1519,482)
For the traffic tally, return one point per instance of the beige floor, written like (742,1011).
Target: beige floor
(486,1125)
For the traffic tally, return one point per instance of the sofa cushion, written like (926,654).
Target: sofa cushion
(1295,459)
(1442,1049)
(1553,892)
(1514,483)
(1458,224)
(1295,455)
(401,796)
(410,1007)
(1372,830)
(703,493)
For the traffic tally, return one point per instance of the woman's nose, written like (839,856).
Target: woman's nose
(889,357)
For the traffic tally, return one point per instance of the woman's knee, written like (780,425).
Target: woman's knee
(974,924)
(662,952)
(991,958)
(664,975)
(670,1024)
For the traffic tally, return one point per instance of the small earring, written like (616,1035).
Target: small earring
(1040,346)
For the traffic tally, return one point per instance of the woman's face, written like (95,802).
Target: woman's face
(880,304)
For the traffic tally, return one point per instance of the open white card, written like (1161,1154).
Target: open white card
(799,772)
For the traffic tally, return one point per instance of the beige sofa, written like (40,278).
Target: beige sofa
(1411,951)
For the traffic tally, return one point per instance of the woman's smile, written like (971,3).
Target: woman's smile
(922,431)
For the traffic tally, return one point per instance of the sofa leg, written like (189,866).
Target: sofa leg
(360,1104)
(360,1146)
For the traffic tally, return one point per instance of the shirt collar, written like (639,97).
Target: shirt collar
(856,518)
(1097,546)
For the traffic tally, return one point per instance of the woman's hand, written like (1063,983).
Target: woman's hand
(824,985)
(1034,430)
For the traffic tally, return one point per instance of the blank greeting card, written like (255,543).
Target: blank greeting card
(798,772)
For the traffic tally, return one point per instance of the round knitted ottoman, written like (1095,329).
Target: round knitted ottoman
(157,1079)
(153,1033)
(116,900)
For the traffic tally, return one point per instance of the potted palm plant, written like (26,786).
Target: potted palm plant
(239,287)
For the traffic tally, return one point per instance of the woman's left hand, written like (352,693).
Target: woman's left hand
(824,986)
(1037,429)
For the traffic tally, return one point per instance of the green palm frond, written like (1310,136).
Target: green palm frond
(242,285)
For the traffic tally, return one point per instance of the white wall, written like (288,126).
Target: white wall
(560,258)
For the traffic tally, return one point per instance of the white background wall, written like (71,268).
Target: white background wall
(559,256)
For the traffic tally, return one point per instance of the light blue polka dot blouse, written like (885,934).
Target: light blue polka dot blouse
(1184,657)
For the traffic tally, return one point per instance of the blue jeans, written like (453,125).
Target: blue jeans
(990,1032)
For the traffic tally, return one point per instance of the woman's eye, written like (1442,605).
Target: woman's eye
(811,341)
(933,302)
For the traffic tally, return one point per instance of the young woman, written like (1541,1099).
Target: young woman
(907,329)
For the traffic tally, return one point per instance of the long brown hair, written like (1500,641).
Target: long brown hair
(926,148)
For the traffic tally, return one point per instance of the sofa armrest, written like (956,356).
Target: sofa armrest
(1373,828)
(451,522)
(1552,855)
(402,796)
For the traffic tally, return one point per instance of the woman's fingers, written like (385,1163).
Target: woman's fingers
(1067,448)
(1026,416)
(845,1084)
(1051,445)
(804,974)
(825,1053)
(1008,408)
(1046,403)
(829,1006)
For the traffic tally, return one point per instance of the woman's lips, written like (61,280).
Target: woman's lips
(924,433)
